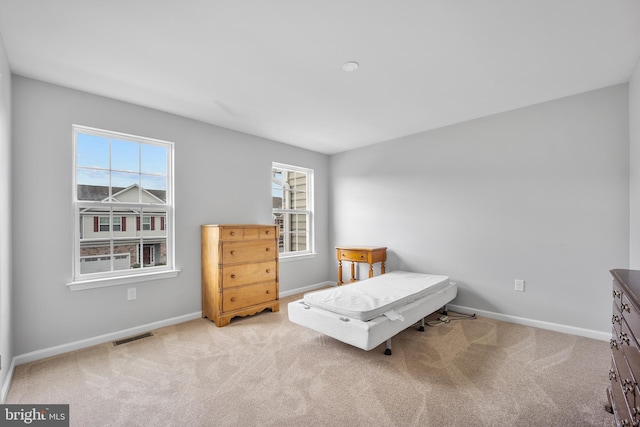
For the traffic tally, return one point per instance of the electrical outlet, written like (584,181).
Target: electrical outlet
(131,294)
(519,285)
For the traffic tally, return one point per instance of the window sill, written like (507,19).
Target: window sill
(296,257)
(121,280)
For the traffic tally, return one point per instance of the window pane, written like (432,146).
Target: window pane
(156,189)
(92,151)
(124,255)
(121,180)
(92,184)
(154,159)
(125,155)
(293,232)
(278,219)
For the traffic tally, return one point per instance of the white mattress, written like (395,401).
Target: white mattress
(368,335)
(368,299)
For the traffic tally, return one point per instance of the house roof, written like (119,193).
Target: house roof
(98,193)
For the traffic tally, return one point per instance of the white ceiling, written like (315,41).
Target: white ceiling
(274,68)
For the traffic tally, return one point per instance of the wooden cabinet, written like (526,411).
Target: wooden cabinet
(368,254)
(623,392)
(239,270)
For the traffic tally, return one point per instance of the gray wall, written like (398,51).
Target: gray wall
(6,331)
(634,161)
(221,176)
(540,194)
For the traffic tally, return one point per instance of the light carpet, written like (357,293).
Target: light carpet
(263,370)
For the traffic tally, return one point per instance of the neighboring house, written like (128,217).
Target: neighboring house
(134,238)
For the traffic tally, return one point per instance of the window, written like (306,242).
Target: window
(104,223)
(291,190)
(123,186)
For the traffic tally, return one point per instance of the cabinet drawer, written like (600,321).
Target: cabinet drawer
(617,293)
(626,380)
(348,255)
(630,314)
(245,296)
(228,233)
(245,274)
(621,408)
(631,352)
(248,250)
(268,233)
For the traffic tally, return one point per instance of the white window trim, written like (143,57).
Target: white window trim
(116,278)
(310,252)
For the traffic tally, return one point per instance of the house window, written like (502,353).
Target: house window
(121,180)
(105,220)
(292,190)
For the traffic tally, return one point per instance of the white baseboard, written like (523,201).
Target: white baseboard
(588,333)
(77,345)
(7,382)
(307,288)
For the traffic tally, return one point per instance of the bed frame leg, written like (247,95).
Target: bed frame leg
(444,310)
(388,349)
(421,327)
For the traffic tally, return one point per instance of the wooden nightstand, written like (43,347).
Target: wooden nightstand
(368,254)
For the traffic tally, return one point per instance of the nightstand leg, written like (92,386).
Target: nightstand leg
(370,271)
(353,272)
(382,267)
(340,272)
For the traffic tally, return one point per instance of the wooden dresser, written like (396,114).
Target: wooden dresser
(239,270)
(623,392)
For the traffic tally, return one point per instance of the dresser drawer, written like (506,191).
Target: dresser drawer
(228,233)
(627,346)
(619,403)
(245,296)
(348,255)
(268,233)
(630,314)
(248,233)
(249,250)
(245,274)
(617,293)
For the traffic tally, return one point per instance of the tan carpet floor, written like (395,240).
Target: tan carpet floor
(266,371)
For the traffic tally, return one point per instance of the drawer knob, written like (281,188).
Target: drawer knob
(233,233)
(233,299)
(361,256)
(615,319)
(233,252)
(612,375)
(613,344)
(624,338)
(233,276)
(625,307)
(267,249)
(268,291)
(616,293)
(267,232)
(268,270)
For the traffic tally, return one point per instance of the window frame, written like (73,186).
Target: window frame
(114,277)
(309,212)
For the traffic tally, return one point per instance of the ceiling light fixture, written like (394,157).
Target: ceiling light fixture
(350,66)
